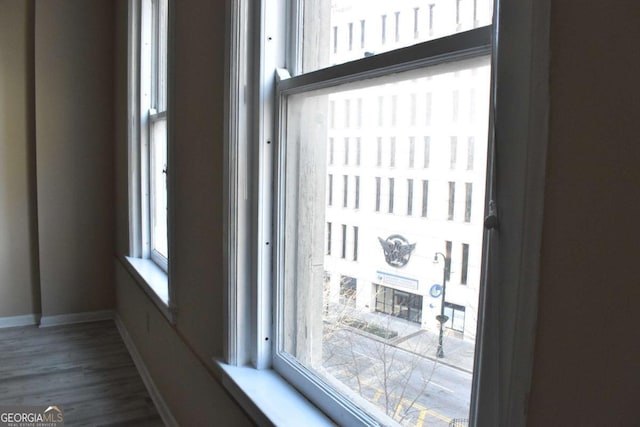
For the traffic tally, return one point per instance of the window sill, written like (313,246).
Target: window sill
(153,280)
(269,399)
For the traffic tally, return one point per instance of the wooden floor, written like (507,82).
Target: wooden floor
(84,369)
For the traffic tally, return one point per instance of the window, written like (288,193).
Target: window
(456,314)
(149,148)
(426,152)
(447,269)
(359,113)
(465,264)
(397,26)
(347,113)
(330,191)
(416,22)
(329,238)
(350,35)
(452,201)
(379,152)
(378,183)
(425,198)
(391,195)
(346,151)
(331,151)
(356,203)
(412,151)
(358,151)
(343,252)
(409,197)
(470,152)
(468,193)
(362,33)
(453,152)
(383,29)
(345,190)
(285,347)
(392,152)
(355,243)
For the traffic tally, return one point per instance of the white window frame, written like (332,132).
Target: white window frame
(515,190)
(150,268)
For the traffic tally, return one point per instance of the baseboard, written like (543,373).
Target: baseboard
(161,405)
(15,321)
(66,319)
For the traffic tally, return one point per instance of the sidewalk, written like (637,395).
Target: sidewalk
(458,353)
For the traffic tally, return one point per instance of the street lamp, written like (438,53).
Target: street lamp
(441,317)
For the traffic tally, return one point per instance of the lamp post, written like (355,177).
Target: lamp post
(441,318)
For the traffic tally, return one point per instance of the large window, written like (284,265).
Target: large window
(148,145)
(352,360)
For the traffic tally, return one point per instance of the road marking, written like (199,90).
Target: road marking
(440,386)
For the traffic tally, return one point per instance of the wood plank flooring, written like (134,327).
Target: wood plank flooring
(84,369)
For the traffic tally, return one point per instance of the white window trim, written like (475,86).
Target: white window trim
(149,270)
(504,358)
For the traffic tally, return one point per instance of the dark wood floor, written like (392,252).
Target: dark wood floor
(84,369)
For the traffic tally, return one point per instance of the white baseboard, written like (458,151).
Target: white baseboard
(24,320)
(66,319)
(161,405)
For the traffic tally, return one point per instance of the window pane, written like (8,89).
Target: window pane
(372,334)
(158,197)
(328,28)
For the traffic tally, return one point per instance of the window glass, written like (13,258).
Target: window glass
(328,26)
(370,332)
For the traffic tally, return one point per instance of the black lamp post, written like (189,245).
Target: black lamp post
(441,318)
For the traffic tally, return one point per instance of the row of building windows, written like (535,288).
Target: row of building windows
(353,156)
(387,113)
(423,20)
(348,240)
(391,196)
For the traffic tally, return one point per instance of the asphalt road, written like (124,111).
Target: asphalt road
(414,390)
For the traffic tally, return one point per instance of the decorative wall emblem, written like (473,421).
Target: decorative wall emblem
(397,250)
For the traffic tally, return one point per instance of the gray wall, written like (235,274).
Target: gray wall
(586,361)
(75,172)
(19,285)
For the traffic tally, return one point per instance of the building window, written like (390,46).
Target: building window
(331,151)
(391,195)
(409,197)
(149,159)
(343,252)
(348,290)
(470,152)
(426,152)
(346,151)
(335,39)
(358,151)
(452,200)
(447,268)
(355,243)
(357,193)
(378,182)
(468,193)
(330,191)
(347,113)
(431,10)
(398,303)
(425,198)
(345,190)
(383,29)
(456,314)
(397,27)
(379,152)
(453,152)
(412,151)
(350,35)
(329,225)
(392,152)
(416,22)
(362,33)
(465,264)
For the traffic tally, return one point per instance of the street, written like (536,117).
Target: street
(412,389)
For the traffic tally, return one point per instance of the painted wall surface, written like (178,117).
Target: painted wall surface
(19,287)
(74,131)
(586,370)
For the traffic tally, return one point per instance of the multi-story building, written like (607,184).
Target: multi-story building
(406,168)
